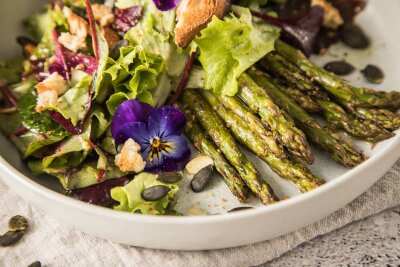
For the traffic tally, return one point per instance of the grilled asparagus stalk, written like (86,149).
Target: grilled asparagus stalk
(336,116)
(338,149)
(267,138)
(356,96)
(290,136)
(294,172)
(214,127)
(199,139)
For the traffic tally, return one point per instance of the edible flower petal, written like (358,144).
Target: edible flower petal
(165,5)
(158,131)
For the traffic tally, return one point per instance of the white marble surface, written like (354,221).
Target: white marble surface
(374,241)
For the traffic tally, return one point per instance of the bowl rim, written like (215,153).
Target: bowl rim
(8,169)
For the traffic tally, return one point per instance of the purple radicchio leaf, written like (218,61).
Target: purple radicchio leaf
(126,18)
(165,5)
(65,123)
(158,131)
(300,31)
(99,194)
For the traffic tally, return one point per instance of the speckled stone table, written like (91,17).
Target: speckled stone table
(374,241)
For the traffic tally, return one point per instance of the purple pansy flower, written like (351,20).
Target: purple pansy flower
(165,5)
(158,131)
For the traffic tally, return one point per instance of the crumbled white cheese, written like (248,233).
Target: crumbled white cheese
(46,99)
(72,42)
(49,90)
(332,17)
(103,14)
(130,160)
(54,82)
(79,29)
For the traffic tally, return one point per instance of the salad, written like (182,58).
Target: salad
(112,98)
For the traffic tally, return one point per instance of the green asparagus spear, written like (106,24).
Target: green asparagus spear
(243,112)
(294,172)
(337,148)
(196,135)
(382,117)
(304,100)
(358,97)
(215,128)
(337,117)
(280,67)
(290,136)
(371,117)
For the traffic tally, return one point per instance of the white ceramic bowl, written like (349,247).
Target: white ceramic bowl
(228,230)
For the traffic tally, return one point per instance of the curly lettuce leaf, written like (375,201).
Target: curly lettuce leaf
(154,32)
(228,47)
(37,122)
(130,199)
(133,74)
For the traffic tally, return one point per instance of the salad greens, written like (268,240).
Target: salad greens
(228,47)
(85,103)
(132,75)
(130,199)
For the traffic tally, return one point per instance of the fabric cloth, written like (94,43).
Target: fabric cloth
(53,244)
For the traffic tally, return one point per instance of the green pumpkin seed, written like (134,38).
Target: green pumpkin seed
(155,193)
(201,179)
(169,177)
(353,36)
(10,238)
(17,223)
(373,74)
(339,67)
(35,264)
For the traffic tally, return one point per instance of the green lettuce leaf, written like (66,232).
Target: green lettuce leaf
(11,70)
(31,143)
(132,75)
(72,104)
(38,25)
(228,47)
(72,151)
(130,199)
(155,33)
(38,122)
(100,82)
(86,175)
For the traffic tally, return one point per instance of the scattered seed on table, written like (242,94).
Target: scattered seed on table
(10,238)
(339,67)
(170,177)
(201,179)
(35,264)
(17,223)
(373,74)
(353,36)
(155,193)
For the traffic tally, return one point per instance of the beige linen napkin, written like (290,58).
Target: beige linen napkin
(57,245)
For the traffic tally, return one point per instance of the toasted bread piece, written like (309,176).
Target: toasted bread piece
(194,15)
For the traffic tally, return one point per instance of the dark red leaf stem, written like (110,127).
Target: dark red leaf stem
(184,80)
(9,96)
